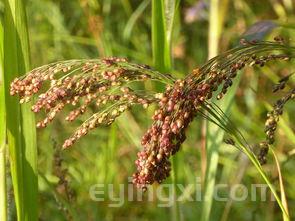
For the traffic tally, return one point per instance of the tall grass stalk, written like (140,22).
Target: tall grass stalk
(163,13)
(228,127)
(214,134)
(3,192)
(268,182)
(282,189)
(160,45)
(21,133)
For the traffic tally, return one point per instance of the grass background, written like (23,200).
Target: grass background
(66,29)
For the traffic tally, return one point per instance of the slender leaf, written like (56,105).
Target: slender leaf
(161,50)
(214,134)
(21,132)
(3,198)
(283,194)
(163,13)
(170,9)
(133,18)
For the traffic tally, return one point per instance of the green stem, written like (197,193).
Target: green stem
(174,178)
(213,133)
(264,176)
(283,194)
(220,116)
(21,133)
(160,45)
(3,192)
(214,29)
(162,27)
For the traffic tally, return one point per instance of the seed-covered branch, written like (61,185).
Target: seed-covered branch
(273,117)
(107,84)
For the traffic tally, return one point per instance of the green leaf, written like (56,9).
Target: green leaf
(21,131)
(3,193)
(133,18)
(213,141)
(163,13)
(170,9)
(161,50)
(214,134)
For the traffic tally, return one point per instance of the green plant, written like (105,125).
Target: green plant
(66,29)
(99,81)
(3,199)
(20,130)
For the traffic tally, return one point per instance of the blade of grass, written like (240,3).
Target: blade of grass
(21,131)
(175,209)
(221,119)
(160,46)
(133,18)
(214,29)
(170,10)
(266,179)
(213,142)
(236,179)
(283,195)
(3,193)
(163,13)
(214,135)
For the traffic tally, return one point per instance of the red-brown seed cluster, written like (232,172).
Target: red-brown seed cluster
(105,84)
(177,108)
(165,136)
(113,60)
(271,124)
(107,117)
(27,87)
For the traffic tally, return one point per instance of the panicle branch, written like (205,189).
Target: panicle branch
(107,84)
(273,117)
(182,102)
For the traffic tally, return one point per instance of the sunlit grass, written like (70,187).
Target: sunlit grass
(21,137)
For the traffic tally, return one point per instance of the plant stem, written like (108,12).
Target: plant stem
(163,14)
(3,192)
(214,31)
(212,132)
(264,176)
(21,133)
(174,178)
(244,147)
(283,194)
(160,45)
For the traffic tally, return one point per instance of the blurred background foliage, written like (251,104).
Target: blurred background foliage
(67,29)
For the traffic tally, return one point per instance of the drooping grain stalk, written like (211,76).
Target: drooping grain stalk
(100,82)
(215,115)
(273,117)
(107,83)
(218,117)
